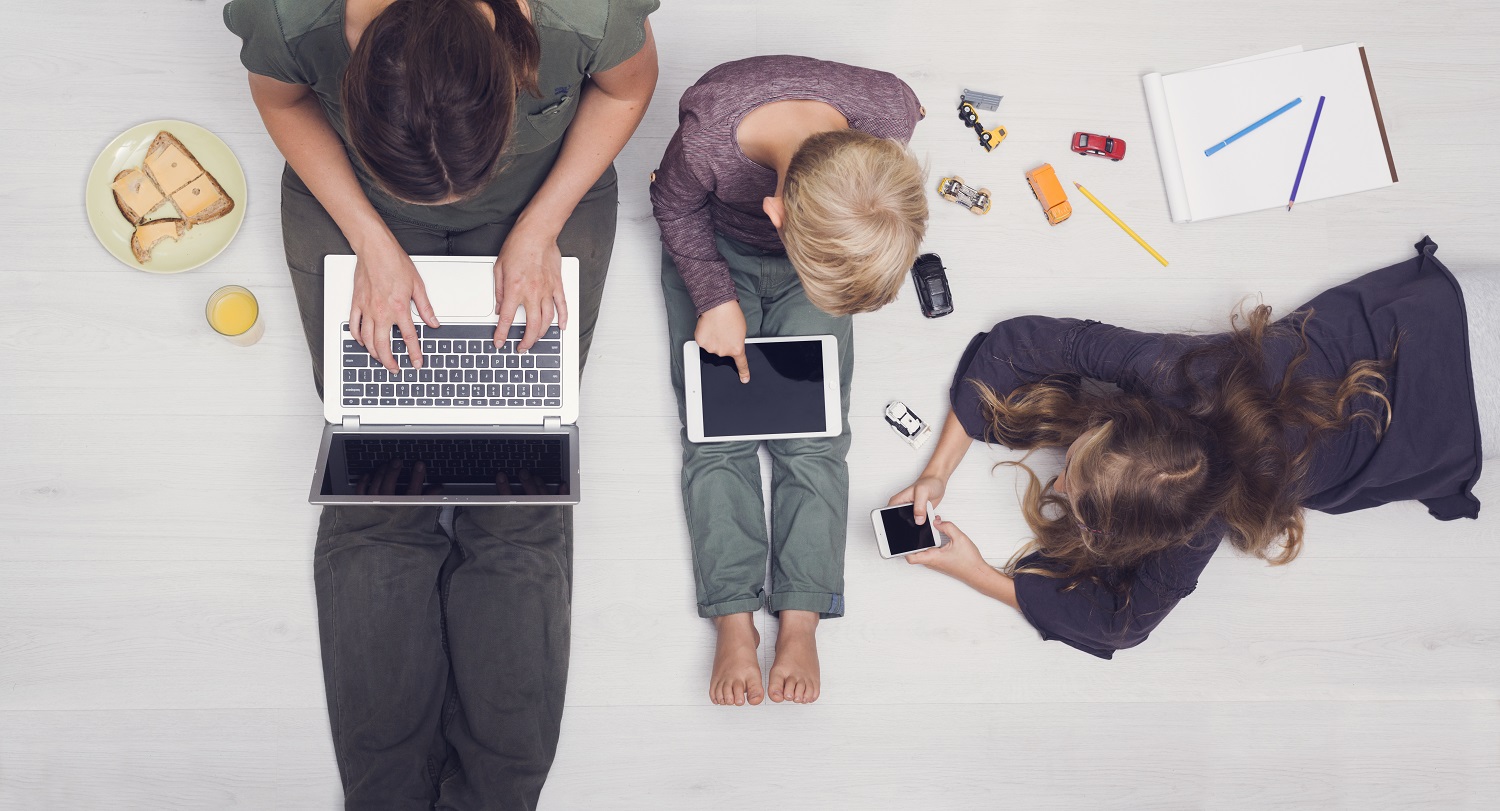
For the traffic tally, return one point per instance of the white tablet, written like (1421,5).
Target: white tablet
(793,391)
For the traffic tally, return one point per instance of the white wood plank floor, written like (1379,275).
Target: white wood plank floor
(158,639)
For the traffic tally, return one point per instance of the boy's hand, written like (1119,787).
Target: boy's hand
(721,331)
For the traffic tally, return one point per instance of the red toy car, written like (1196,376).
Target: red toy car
(1085,143)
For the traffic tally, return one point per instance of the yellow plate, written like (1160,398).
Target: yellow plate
(202,242)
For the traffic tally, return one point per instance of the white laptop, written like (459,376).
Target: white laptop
(479,423)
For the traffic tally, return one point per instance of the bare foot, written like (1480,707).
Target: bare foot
(736,676)
(794,674)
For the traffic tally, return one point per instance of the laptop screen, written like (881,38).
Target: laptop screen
(420,466)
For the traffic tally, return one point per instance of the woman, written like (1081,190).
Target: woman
(446,127)
(1363,397)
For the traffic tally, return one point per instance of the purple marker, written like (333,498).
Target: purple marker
(1306,149)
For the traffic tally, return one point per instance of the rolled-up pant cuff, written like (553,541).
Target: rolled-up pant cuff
(730,607)
(827,605)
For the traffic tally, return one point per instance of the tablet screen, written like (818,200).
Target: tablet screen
(784,395)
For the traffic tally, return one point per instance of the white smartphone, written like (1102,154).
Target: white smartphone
(897,532)
(793,391)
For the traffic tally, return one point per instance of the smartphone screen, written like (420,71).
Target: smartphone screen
(902,534)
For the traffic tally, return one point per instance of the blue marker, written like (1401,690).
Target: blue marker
(1238,135)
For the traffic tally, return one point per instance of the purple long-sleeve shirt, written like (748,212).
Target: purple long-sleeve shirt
(1430,452)
(707,185)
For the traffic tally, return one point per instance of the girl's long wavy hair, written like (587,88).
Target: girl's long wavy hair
(430,95)
(1233,444)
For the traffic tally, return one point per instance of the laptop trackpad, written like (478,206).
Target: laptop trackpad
(460,292)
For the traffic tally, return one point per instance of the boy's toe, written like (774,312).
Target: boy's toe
(777,688)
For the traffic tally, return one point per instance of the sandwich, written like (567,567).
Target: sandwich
(169,176)
(136,195)
(148,235)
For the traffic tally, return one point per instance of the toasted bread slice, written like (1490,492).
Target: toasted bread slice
(136,195)
(148,235)
(170,163)
(202,200)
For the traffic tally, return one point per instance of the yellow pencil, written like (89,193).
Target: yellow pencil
(1121,223)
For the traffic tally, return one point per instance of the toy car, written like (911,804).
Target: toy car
(933,293)
(953,188)
(988,138)
(968,115)
(1048,192)
(1085,143)
(909,426)
(981,99)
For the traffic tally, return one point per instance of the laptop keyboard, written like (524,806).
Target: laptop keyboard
(528,462)
(461,368)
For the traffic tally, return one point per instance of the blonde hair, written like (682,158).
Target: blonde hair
(1236,445)
(856,212)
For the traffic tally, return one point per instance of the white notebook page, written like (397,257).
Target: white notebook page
(1257,171)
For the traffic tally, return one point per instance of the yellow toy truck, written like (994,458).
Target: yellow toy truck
(1048,192)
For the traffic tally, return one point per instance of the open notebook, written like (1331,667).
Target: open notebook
(1193,110)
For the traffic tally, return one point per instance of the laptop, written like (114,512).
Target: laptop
(477,424)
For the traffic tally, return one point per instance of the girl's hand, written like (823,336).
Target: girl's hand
(528,273)
(721,331)
(926,490)
(959,558)
(385,285)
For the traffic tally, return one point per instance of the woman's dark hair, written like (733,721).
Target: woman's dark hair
(1235,443)
(430,94)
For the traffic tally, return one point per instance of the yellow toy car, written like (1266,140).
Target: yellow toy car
(1049,192)
(989,139)
(953,188)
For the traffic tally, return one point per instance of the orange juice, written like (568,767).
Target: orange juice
(234,313)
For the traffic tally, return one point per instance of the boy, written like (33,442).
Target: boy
(787,202)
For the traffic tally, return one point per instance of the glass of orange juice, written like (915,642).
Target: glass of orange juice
(234,313)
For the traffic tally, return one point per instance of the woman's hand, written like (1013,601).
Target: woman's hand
(926,490)
(959,558)
(385,285)
(528,274)
(721,331)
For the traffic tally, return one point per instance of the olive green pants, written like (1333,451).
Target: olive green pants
(721,482)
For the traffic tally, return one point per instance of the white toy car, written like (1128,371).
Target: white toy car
(907,424)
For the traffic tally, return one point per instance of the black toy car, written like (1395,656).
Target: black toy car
(931,280)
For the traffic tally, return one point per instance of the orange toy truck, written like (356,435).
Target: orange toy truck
(1048,192)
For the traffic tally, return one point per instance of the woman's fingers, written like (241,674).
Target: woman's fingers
(388,476)
(424,306)
(560,300)
(413,343)
(418,478)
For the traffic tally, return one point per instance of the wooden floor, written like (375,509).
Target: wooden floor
(158,639)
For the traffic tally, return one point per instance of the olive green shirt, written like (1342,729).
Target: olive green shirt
(302,42)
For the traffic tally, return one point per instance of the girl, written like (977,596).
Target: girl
(1362,397)
(446,127)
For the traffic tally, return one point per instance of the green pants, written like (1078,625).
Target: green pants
(721,488)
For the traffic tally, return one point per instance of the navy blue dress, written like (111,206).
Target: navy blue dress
(1430,452)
